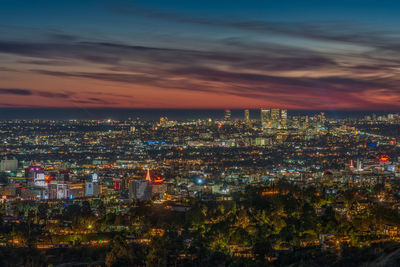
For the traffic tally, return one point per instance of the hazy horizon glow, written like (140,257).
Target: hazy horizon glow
(342,55)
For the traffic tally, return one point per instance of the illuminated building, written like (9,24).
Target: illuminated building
(295,122)
(271,118)
(92,189)
(322,117)
(227,116)
(275,118)
(35,175)
(306,121)
(8,164)
(17,180)
(32,171)
(163,121)
(284,118)
(88,189)
(117,184)
(259,141)
(58,191)
(40,179)
(43,194)
(265,118)
(95,177)
(247,116)
(158,187)
(76,190)
(140,190)
(51,178)
(10,190)
(359,165)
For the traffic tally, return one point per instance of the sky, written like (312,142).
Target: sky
(315,55)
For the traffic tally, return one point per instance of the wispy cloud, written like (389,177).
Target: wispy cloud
(322,30)
(15,91)
(83,98)
(29,92)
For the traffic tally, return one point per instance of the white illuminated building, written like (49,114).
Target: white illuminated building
(40,179)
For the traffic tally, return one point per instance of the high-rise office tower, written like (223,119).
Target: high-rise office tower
(322,117)
(227,116)
(275,118)
(284,118)
(296,120)
(359,165)
(140,190)
(265,118)
(247,116)
(163,121)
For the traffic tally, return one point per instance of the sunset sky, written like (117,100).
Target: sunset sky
(200,54)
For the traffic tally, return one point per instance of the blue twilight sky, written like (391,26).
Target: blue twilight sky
(200,54)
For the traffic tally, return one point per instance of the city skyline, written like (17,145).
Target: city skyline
(267,189)
(199,133)
(337,55)
(174,114)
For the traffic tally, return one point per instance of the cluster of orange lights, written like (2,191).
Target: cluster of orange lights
(107,166)
(50,178)
(158,180)
(384,158)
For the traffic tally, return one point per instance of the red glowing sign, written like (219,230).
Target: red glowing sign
(117,185)
(158,180)
(384,158)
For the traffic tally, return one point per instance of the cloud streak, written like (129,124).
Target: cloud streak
(29,92)
(15,91)
(332,31)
